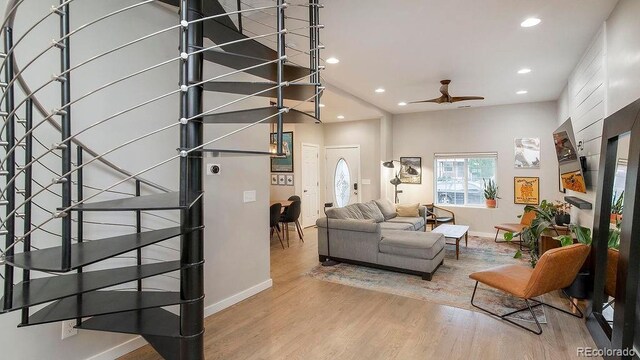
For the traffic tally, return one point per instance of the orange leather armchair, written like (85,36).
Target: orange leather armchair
(525,221)
(556,269)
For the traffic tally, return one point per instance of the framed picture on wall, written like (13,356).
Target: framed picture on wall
(527,153)
(290,180)
(281,179)
(274,179)
(526,190)
(410,170)
(283,163)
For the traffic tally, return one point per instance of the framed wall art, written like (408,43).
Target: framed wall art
(527,153)
(410,170)
(526,190)
(283,163)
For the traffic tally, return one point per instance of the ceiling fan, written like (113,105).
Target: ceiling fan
(446,98)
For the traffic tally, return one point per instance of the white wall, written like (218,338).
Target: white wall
(485,129)
(365,133)
(236,237)
(606,79)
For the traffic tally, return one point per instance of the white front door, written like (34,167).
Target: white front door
(310,184)
(343,175)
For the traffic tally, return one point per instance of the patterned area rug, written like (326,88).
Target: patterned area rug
(450,285)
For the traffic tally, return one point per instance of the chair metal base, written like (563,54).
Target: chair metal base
(518,242)
(530,308)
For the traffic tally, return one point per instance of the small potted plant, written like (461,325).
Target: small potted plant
(563,213)
(617,205)
(490,193)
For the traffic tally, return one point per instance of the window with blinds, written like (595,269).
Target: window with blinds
(459,177)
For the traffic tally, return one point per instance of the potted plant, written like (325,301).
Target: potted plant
(617,205)
(579,289)
(544,220)
(563,214)
(490,193)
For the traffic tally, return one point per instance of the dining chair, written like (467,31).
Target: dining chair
(274,219)
(292,215)
(294,198)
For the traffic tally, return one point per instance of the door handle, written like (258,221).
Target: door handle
(305,190)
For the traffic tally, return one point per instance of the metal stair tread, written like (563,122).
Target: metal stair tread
(153,321)
(102,303)
(43,290)
(300,92)
(163,201)
(266,71)
(90,252)
(253,115)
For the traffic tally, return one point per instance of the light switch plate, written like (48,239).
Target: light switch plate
(249,196)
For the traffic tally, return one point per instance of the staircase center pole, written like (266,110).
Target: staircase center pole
(28,175)
(192,219)
(65,98)
(10,168)
(279,76)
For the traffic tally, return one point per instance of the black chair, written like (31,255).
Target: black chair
(294,198)
(434,217)
(274,218)
(292,215)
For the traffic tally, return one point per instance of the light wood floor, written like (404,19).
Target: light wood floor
(304,318)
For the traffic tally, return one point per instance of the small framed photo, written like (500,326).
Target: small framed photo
(526,190)
(274,179)
(290,180)
(281,179)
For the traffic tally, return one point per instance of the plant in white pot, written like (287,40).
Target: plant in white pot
(490,193)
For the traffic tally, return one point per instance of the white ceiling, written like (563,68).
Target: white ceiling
(408,46)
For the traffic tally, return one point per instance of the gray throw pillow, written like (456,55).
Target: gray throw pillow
(387,208)
(347,212)
(370,210)
(354,212)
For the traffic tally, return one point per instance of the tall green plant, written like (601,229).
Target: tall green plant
(544,220)
(583,235)
(490,189)
(617,203)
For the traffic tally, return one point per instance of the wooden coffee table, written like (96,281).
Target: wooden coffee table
(454,232)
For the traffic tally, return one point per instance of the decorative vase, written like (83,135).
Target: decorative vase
(580,287)
(491,203)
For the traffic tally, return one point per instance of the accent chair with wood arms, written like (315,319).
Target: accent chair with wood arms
(556,269)
(525,221)
(435,216)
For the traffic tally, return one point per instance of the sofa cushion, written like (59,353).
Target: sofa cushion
(370,210)
(387,208)
(408,210)
(417,222)
(416,244)
(388,225)
(348,212)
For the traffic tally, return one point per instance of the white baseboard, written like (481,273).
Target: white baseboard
(138,342)
(120,350)
(234,299)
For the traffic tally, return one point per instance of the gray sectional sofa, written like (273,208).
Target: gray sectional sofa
(371,234)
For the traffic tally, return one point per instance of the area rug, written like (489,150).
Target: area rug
(450,284)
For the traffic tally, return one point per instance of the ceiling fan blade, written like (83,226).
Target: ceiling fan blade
(465,98)
(436,100)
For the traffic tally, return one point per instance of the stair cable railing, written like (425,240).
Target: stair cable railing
(185,340)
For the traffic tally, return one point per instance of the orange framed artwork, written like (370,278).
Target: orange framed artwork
(526,190)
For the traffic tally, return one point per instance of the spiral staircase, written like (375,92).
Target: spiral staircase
(72,280)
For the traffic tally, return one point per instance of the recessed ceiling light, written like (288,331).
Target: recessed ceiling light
(332,60)
(340,117)
(521,92)
(321,105)
(380,90)
(402,103)
(524,71)
(530,22)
